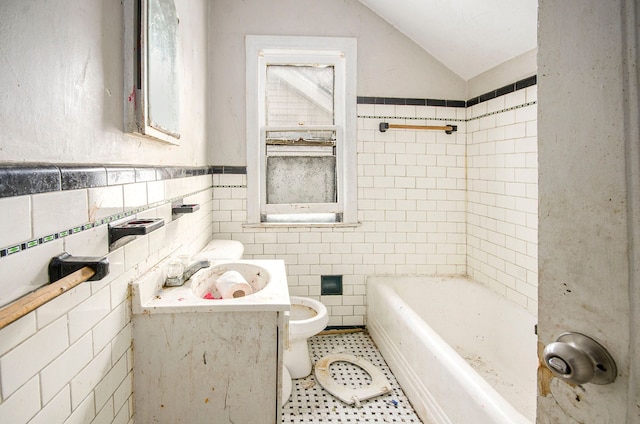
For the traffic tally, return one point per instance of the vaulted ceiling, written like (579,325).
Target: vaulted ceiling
(468,36)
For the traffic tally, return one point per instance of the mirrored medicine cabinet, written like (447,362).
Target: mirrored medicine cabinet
(152,80)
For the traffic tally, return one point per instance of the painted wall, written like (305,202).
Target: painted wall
(389,64)
(61,81)
(518,68)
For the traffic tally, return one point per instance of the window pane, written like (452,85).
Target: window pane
(299,95)
(301,179)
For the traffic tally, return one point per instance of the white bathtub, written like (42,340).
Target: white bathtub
(461,353)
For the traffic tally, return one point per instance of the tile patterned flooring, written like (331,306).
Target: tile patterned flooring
(310,403)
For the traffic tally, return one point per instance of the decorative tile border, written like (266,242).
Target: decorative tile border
(413,118)
(410,102)
(25,179)
(21,247)
(502,110)
(510,88)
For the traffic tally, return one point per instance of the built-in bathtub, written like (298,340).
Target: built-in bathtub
(462,353)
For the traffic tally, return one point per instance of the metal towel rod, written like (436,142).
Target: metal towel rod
(384,126)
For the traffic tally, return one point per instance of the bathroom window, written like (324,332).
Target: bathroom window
(301,130)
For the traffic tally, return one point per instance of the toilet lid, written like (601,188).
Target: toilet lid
(379,384)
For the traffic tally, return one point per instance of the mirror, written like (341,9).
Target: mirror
(151,69)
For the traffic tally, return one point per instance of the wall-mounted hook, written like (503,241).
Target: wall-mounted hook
(65,264)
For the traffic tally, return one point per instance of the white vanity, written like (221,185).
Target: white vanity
(200,360)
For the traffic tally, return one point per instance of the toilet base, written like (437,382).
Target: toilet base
(297,360)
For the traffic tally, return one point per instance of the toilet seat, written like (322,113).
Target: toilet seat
(379,383)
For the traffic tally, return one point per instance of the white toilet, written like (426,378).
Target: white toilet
(308,317)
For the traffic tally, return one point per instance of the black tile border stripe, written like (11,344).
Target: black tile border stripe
(33,178)
(510,88)
(398,101)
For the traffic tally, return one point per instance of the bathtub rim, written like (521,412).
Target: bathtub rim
(498,409)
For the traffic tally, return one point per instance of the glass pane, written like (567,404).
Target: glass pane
(300,179)
(163,75)
(299,95)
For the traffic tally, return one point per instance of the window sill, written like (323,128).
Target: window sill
(302,225)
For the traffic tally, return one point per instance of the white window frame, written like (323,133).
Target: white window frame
(338,52)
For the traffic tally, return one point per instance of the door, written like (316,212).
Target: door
(589,207)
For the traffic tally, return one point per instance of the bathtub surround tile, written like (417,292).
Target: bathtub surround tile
(87,314)
(14,334)
(56,411)
(62,304)
(58,211)
(155,191)
(135,195)
(105,202)
(23,405)
(29,269)
(66,366)
(84,383)
(121,397)
(15,225)
(19,180)
(26,360)
(92,242)
(85,409)
(111,381)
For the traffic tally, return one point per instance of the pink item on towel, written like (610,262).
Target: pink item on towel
(208,295)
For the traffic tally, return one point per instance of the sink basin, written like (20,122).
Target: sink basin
(267,278)
(204,281)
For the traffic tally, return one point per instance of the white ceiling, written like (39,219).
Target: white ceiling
(467,36)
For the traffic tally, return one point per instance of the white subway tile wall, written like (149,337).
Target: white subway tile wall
(428,202)
(502,206)
(71,360)
(411,208)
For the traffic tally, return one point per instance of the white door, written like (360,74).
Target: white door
(589,207)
